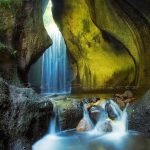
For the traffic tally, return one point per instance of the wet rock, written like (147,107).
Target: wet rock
(123,99)
(120,102)
(87,100)
(23,38)
(104,126)
(95,99)
(138,114)
(70,112)
(19,143)
(84,125)
(95,113)
(109,109)
(4,94)
(127,94)
(23,113)
(107,126)
(129,100)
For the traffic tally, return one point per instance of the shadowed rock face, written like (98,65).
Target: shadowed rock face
(24,115)
(105,41)
(23,37)
(139,115)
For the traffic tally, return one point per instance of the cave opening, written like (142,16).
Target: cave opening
(51,74)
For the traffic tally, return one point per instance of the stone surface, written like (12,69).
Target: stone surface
(83,126)
(23,114)
(23,37)
(139,114)
(105,42)
(69,111)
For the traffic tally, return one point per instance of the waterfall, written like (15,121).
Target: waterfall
(112,118)
(53,69)
(120,124)
(87,117)
(53,126)
(54,66)
(55,77)
(52,129)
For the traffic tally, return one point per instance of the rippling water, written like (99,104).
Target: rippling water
(97,139)
(71,140)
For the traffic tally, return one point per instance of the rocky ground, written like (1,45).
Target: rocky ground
(69,111)
(24,116)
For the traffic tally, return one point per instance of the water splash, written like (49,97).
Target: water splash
(86,117)
(106,124)
(99,128)
(120,124)
(52,126)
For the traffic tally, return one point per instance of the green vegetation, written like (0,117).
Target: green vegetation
(7,49)
(10,4)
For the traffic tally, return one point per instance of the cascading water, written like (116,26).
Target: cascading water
(117,124)
(114,140)
(54,66)
(87,117)
(55,74)
(52,126)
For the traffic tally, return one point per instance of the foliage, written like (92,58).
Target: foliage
(11,4)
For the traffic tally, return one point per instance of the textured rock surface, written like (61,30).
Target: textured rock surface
(23,37)
(107,40)
(69,112)
(23,114)
(139,115)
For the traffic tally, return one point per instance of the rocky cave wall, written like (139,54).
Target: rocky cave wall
(108,45)
(23,37)
(108,42)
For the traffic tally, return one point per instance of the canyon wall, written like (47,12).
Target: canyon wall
(23,37)
(108,42)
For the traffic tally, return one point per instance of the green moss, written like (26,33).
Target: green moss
(9,3)
(86,25)
(7,49)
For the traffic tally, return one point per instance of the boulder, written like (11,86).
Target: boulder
(95,112)
(120,102)
(109,109)
(84,125)
(127,94)
(104,126)
(23,114)
(23,38)
(70,111)
(139,114)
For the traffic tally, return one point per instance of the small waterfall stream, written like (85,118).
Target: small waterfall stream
(87,117)
(52,72)
(54,66)
(52,126)
(112,118)
(117,139)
